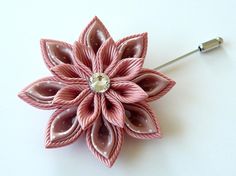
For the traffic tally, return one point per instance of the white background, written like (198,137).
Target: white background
(198,116)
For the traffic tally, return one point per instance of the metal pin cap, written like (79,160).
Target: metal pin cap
(210,45)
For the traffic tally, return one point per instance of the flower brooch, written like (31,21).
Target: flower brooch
(98,88)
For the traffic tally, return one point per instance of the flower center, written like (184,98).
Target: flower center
(99,82)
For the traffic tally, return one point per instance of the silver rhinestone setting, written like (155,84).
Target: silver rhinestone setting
(99,82)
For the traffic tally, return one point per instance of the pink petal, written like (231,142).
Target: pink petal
(108,55)
(56,52)
(112,110)
(105,141)
(127,92)
(63,128)
(133,46)
(126,69)
(153,83)
(94,34)
(88,110)
(70,95)
(41,93)
(70,74)
(140,121)
(83,55)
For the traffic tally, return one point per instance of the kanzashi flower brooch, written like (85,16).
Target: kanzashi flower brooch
(98,88)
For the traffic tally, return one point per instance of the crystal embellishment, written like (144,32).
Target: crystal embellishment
(99,82)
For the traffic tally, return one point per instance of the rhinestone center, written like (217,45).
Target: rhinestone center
(99,82)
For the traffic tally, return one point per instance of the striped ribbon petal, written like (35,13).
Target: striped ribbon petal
(154,83)
(63,128)
(70,95)
(141,121)
(134,46)
(56,52)
(89,110)
(84,56)
(112,110)
(104,141)
(126,69)
(108,55)
(94,35)
(70,74)
(127,92)
(41,93)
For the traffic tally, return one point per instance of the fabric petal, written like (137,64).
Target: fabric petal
(126,69)
(83,55)
(108,55)
(112,110)
(70,95)
(70,74)
(105,141)
(63,128)
(140,121)
(133,46)
(56,52)
(94,34)
(41,93)
(153,83)
(89,110)
(127,92)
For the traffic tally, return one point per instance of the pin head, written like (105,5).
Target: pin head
(210,45)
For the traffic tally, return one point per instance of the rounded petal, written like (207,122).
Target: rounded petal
(41,93)
(127,92)
(112,110)
(126,69)
(56,52)
(70,74)
(133,46)
(105,141)
(63,128)
(89,110)
(84,56)
(70,95)
(94,34)
(108,55)
(153,83)
(140,121)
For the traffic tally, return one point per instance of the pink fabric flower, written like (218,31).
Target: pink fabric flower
(104,116)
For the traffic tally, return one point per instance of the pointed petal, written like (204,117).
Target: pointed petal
(89,110)
(126,69)
(133,46)
(83,55)
(70,74)
(70,95)
(56,52)
(153,83)
(140,121)
(94,34)
(108,55)
(105,141)
(127,92)
(112,110)
(41,93)
(63,128)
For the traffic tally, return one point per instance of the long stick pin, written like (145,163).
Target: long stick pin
(203,48)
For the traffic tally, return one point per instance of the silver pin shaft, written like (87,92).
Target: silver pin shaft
(203,47)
